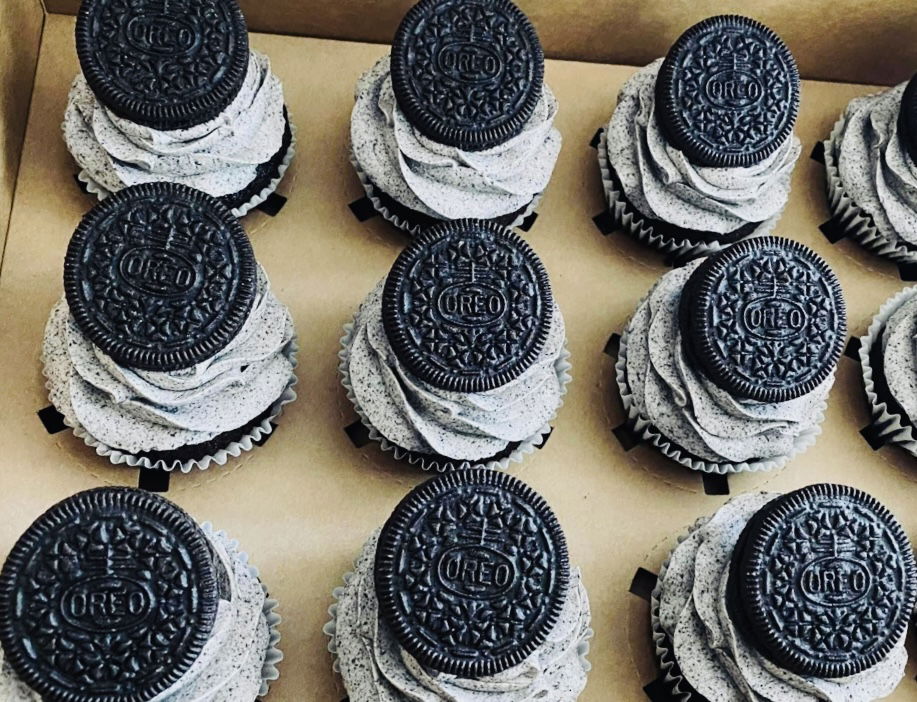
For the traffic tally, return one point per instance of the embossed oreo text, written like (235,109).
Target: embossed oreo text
(157,271)
(471,304)
(835,581)
(733,89)
(106,603)
(774,317)
(160,35)
(476,571)
(469,61)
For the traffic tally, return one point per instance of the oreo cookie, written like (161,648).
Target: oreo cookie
(467,306)
(471,572)
(907,119)
(160,276)
(765,319)
(467,73)
(825,581)
(166,64)
(727,93)
(109,596)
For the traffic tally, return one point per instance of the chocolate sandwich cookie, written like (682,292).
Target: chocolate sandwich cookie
(824,581)
(109,596)
(467,306)
(727,93)
(467,73)
(765,319)
(160,276)
(166,65)
(907,118)
(471,572)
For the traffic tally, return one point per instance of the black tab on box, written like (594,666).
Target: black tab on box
(716,483)
(613,345)
(52,420)
(643,584)
(605,222)
(80,184)
(852,349)
(272,204)
(818,152)
(596,138)
(544,442)
(363,209)
(908,272)
(626,436)
(357,433)
(833,230)
(154,479)
(873,437)
(658,690)
(528,222)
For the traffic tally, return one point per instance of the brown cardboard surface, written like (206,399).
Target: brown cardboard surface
(303,504)
(20,35)
(847,40)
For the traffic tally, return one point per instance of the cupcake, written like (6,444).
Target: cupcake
(887,358)
(117,595)
(802,596)
(457,121)
(465,593)
(170,91)
(168,349)
(871,164)
(458,357)
(699,151)
(727,362)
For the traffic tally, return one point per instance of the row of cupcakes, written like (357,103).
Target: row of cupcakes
(169,350)
(465,594)
(457,122)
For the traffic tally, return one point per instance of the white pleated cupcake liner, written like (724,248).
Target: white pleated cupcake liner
(330,628)
(273,655)
(857,224)
(890,426)
(101,192)
(637,226)
(233,450)
(664,655)
(645,429)
(432,463)
(412,228)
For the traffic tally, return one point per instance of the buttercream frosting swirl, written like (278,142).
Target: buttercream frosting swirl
(137,410)
(662,183)
(220,156)
(687,407)
(418,417)
(713,654)
(229,666)
(899,356)
(375,667)
(874,166)
(443,181)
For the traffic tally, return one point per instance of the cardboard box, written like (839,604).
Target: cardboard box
(303,504)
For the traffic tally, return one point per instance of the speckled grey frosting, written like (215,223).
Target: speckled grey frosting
(229,667)
(136,410)
(375,668)
(688,408)
(445,181)
(874,166)
(418,417)
(714,657)
(899,356)
(663,184)
(219,157)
